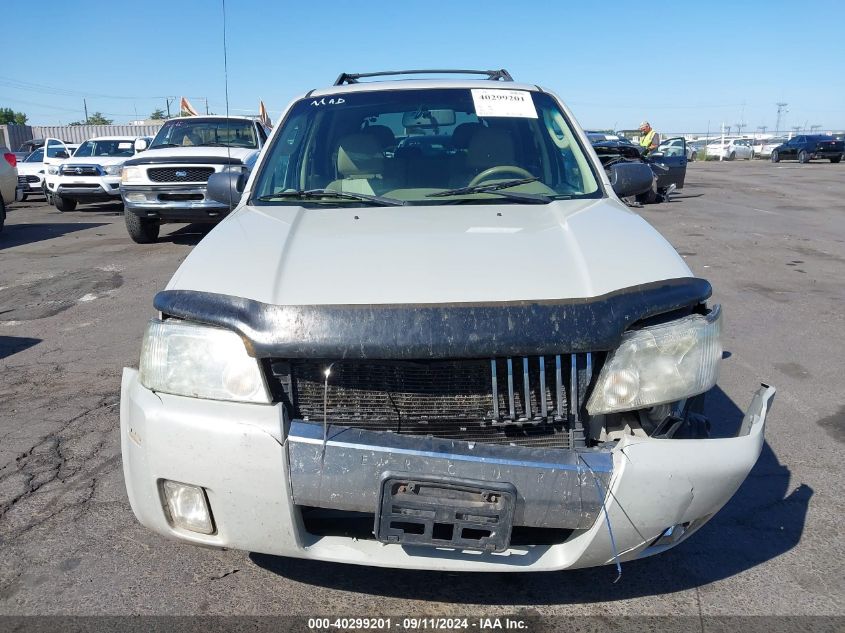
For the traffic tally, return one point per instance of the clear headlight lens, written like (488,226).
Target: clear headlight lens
(112,170)
(198,361)
(132,174)
(660,364)
(233,168)
(53,169)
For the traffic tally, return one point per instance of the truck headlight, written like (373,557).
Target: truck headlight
(53,169)
(131,174)
(237,169)
(112,170)
(199,361)
(660,364)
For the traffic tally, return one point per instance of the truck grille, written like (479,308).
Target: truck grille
(80,170)
(525,401)
(22,180)
(180,174)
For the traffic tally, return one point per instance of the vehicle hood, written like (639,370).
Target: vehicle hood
(27,169)
(151,155)
(428,254)
(95,160)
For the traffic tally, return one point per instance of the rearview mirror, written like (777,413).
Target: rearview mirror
(140,144)
(629,179)
(428,118)
(226,187)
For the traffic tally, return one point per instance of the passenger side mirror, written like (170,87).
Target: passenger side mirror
(629,179)
(226,187)
(140,144)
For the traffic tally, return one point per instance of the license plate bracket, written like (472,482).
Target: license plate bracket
(445,512)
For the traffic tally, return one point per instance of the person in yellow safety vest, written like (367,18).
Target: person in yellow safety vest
(649,139)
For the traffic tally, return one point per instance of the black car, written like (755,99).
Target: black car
(669,164)
(806,147)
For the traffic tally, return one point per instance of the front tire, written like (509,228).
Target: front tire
(141,230)
(64,204)
(835,159)
(775,156)
(803,157)
(20,196)
(732,156)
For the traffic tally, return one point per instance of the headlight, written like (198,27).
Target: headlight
(53,169)
(660,364)
(199,361)
(131,174)
(233,168)
(112,170)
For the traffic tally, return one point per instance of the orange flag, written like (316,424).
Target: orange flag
(186,109)
(262,114)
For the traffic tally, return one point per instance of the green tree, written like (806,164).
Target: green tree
(157,114)
(7,116)
(96,118)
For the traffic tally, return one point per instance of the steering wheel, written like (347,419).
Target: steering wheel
(488,174)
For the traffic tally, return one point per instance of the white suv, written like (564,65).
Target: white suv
(730,149)
(431,335)
(92,174)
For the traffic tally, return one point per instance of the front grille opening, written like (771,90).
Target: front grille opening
(327,522)
(523,401)
(179,174)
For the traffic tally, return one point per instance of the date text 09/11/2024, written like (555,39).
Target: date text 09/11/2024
(412,624)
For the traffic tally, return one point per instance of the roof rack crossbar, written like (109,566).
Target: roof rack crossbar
(493,75)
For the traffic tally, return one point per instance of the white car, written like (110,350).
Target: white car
(730,149)
(92,174)
(167,183)
(353,366)
(762,148)
(677,147)
(33,170)
(8,181)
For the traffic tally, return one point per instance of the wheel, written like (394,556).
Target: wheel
(64,204)
(835,159)
(2,214)
(775,156)
(732,156)
(694,156)
(751,157)
(20,196)
(141,230)
(803,157)
(648,197)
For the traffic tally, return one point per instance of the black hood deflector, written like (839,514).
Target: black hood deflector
(431,331)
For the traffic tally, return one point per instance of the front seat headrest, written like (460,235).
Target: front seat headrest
(384,135)
(490,147)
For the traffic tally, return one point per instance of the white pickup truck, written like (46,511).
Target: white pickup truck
(92,174)
(168,183)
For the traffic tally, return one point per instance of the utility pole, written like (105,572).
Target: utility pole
(781,110)
(739,127)
(762,129)
(85,105)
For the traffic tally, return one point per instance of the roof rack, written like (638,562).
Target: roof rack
(492,75)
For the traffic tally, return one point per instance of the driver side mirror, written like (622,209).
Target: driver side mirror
(226,187)
(140,144)
(629,179)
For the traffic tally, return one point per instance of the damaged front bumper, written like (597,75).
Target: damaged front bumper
(258,471)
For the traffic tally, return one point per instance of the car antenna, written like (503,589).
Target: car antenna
(226,84)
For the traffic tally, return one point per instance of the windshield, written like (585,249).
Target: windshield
(207,132)
(36,157)
(416,145)
(114,147)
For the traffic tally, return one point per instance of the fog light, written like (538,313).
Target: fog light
(187,506)
(135,197)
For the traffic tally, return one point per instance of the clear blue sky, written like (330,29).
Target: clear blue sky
(678,64)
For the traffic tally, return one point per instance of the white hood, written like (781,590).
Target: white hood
(429,254)
(29,169)
(96,160)
(241,153)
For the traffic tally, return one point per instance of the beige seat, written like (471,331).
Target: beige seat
(360,164)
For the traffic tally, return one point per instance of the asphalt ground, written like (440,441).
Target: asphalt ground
(75,294)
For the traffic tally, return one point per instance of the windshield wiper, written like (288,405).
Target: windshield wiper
(496,188)
(165,145)
(213,144)
(329,193)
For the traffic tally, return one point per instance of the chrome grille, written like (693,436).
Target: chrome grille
(180,174)
(80,170)
(527,401)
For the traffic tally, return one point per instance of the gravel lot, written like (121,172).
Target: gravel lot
(75,294)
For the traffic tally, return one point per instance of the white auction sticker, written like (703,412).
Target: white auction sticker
(514,103)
